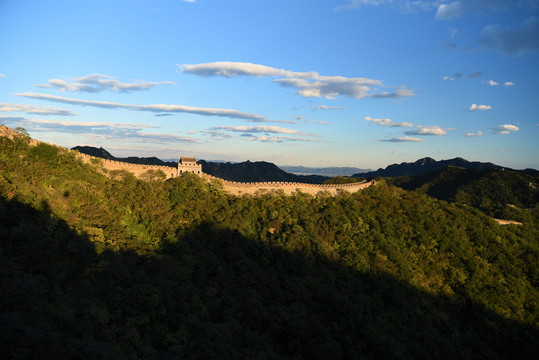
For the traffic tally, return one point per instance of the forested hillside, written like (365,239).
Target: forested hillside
(507,194)
(104,265)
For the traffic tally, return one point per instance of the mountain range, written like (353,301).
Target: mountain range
(248,171)
(424,166)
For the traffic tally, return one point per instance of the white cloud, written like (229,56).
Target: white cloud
(307,84)
(97,82)
(32,109)
(491,83)
(505,129)
(427,130)
(476,107)
(388,122)
(497,150)
(403,139)
(151,108)
(2,75)
(509,83)
(472,134)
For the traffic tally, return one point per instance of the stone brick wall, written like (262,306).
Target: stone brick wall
(234,187)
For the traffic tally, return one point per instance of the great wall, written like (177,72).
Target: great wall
(188,164)
(232,187)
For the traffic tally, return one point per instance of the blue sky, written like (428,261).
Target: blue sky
(362,83)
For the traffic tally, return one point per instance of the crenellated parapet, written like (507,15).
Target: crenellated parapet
(250,188)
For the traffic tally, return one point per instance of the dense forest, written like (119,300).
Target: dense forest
(98,264)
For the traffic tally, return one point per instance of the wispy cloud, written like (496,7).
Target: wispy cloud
(388,122)
(33,109)
(476,107)
(505,129)
(428,131)
(151,108)
(307,84)
(260,129)
(455,76)
(8,119)
(94,83)
(402,139)
(326,107)
(104,130)
(318,122)
(280,139)
(2,75)
(509,83)
(472,134)
(506,40)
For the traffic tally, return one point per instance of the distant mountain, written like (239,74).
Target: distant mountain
(255,171)
(104,154)
(324,171)
(426,165)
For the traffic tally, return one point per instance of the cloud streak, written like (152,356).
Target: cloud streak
(150,108)
(427,131)
(104,130)
(307,84)
(279,139)
(402,139)
(326,107)
(388,122)
(37,110)
(505,129)
(260,129)
(94,83)
(472,134)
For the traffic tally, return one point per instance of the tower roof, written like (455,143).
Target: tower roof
(187,159)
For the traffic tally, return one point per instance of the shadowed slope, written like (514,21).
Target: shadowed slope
(213,293)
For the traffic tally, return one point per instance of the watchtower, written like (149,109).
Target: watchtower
(188,164)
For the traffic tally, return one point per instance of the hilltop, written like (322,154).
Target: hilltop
(104,154)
